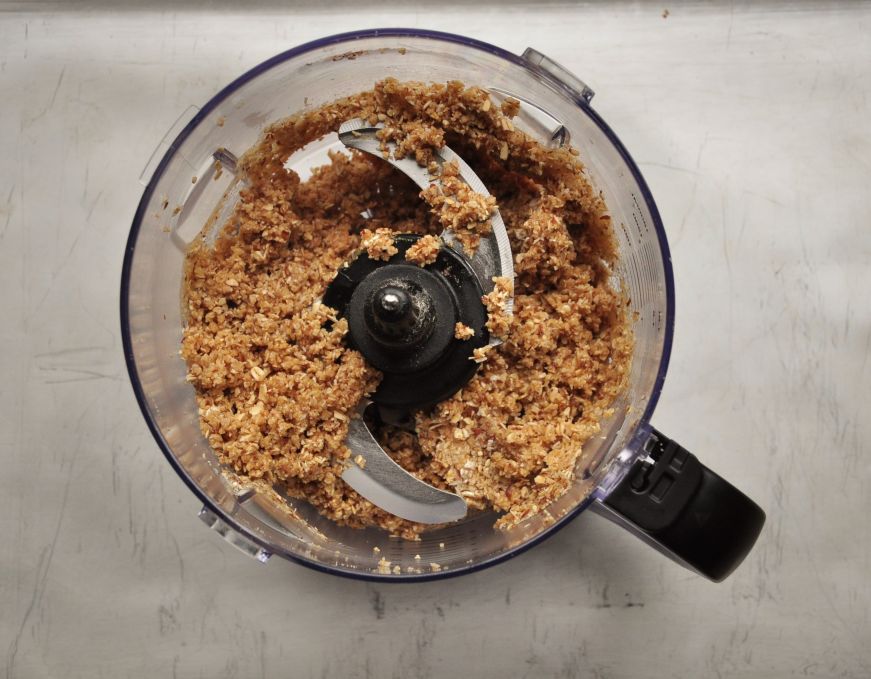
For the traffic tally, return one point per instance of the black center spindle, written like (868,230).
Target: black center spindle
(399,313)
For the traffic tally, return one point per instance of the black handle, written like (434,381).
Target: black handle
(683,509)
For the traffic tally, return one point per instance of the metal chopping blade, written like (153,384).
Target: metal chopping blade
(387,485)
(379,479)
(493,256)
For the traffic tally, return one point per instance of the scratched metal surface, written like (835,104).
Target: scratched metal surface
(752,127)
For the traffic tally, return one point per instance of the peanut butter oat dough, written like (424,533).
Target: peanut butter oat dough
(424,251)
(275,383)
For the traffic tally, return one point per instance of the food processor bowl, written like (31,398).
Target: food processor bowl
(638,477)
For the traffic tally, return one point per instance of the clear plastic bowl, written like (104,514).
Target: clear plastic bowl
(304,78)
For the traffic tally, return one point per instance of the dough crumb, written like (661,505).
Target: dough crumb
(415,138)
(459,208)
(378,244)
(498,318)
(424,251)
(479,355)
(463,332)
(510,107)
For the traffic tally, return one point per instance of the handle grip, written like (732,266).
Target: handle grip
(684,510)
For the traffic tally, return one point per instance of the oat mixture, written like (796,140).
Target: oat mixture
(276,384)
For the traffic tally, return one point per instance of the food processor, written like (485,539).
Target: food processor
(638,477)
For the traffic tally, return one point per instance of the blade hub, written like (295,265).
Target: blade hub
(394,312)
(402,318)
